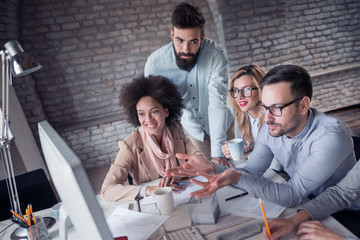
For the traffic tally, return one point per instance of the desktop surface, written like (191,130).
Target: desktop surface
(180,219)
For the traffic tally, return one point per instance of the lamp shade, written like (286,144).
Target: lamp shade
(21,63)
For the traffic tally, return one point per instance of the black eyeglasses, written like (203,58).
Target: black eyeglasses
(245,92)
(275,110)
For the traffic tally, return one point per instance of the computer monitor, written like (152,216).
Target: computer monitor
(79,203)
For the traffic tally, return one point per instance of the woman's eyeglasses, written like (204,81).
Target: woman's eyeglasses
(245,92)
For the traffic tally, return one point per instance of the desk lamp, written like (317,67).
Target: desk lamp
(20,63)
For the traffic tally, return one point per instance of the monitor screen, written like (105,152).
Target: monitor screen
(73,187)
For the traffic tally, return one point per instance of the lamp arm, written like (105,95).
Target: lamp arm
(6,80)
(15,59)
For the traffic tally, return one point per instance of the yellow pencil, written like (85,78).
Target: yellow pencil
(28,216)
(265,220)
(34,218)
(27,212)
(16,214)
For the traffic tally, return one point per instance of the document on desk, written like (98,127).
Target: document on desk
(248,206)
(134,225)
(181,197)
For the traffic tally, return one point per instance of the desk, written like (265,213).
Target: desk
(179,219)
(107,207)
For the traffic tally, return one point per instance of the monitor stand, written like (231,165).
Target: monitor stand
(64,223)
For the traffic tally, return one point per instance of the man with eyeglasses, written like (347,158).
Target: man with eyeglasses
(315,149)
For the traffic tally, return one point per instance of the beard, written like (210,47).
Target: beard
(287,129)
(186,64)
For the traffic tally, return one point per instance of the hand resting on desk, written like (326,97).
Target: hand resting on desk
(170,181)
(316,230)
(307,229)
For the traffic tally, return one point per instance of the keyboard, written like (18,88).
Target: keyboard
(190,233)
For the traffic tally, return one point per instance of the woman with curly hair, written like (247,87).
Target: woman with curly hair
(154,105)
(245,93)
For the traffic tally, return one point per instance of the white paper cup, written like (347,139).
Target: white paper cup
(164,200)
(236,148)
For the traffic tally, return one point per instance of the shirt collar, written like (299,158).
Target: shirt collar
(307,125)
(253,120)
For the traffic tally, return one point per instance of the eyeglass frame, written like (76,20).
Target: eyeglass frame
(277,107)
(241,91)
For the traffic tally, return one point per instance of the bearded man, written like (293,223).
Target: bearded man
(199,67)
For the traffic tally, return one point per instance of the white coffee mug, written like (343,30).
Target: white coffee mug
(236,148)
(164,200)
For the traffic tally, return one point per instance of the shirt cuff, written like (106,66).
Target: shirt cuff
(219,168)
(216,151)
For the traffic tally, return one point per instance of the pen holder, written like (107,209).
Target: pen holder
(38,231)
(203,210)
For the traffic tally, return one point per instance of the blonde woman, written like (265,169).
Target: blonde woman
(245,93)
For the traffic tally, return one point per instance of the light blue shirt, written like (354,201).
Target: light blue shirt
(204,91)
(345,194)
(317,158)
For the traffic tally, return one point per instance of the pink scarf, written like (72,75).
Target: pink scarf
(161,160)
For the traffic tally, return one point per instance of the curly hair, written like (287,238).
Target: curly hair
(158,87)
(256,74)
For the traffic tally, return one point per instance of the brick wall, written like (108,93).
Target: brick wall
(90,48)
(8,21)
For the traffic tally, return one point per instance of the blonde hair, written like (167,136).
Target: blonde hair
(256,74)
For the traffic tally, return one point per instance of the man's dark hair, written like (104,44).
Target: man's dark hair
(187,16)
(158,87)
(298,77)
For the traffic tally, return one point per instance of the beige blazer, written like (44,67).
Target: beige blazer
(134,159)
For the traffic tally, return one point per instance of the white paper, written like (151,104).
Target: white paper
(248,206)
(181,197)
(134,225)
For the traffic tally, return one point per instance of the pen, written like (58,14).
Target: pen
(20,222)
(265,220)
(236,196)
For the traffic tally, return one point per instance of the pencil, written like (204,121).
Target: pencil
(28,216)
(34,218)
(23,219)
(265,220)
(27,212)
